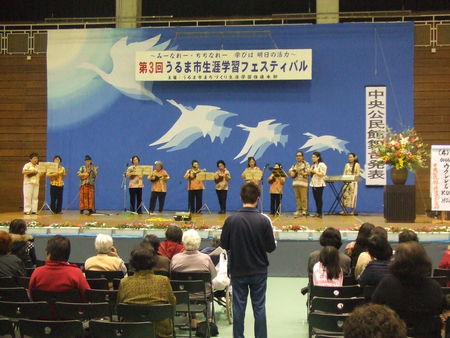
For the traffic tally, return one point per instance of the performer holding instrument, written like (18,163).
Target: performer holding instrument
(159,180)
(299,173)
(351,191)
(31,185)
(56,186)
(276,180)
(318,172)
(135,185)
(222,177)
(195,187)
(252,173)
(87,174)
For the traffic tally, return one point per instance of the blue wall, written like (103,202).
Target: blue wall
(87,115)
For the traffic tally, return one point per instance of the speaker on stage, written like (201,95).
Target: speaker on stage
(400,203)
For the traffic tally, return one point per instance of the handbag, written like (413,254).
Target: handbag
(202,329)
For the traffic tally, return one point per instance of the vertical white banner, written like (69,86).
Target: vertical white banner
(440,177)
(375,131)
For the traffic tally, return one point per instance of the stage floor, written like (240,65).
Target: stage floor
(115,218)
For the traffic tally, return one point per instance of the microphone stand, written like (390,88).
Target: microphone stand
(124,187)
(261,199)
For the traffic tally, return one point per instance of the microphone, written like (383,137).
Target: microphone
(267,164)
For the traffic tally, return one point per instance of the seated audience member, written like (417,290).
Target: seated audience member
(214,250)
(410,292)
(107,258)
(354,249)
(374,321)
(10,265)
(162,262)
(57,274)
(407,235)
(327,271)
(172,245)
(380,252)
(364,258)
(144,287)
(330,237)
(445,260)
(22,243)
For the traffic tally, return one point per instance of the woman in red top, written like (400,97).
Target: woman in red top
(172,245)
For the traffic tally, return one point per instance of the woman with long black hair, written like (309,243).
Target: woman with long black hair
(351,191)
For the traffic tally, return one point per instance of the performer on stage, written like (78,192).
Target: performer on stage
(351,192)
(251,168)
(299,173)
(135,186)
(159,180)
(276,189)
(57,186)
(222,177)
(31,185)
(195,188)
(87,174)
(318,171)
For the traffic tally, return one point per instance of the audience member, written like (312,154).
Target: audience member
(330,237)
(172,245)
(407,235)
(144,287)
(162,262)
(354,249)
(374,321)
(380,252)
(22,243)
(57,274)
(410,292)
(364,258)
(107,258)
(10,265)
(327,271)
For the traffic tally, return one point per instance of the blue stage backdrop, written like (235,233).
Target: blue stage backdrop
(96,107)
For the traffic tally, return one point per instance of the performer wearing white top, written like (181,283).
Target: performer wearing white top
(318,172)
(31,185)
(351,191)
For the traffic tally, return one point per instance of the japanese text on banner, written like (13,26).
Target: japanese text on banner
(224,65)
(440,177)
(375,132)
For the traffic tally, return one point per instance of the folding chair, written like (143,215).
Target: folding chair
(326,323)
(23,282)
(51,328)
(70,296)
(442,272)
(441,280)
(116,283)
(337,292)
(103,296)
(8,282)
(6,328)
(14,295)
(368,291)
(335,305)
(98,283)
(82,311)
(29,310)
(349,280)
(106,329)
(29,271)
(109,275)
(183,307)
(162,273)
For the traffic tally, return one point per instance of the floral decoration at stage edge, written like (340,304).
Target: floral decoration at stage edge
(404,149)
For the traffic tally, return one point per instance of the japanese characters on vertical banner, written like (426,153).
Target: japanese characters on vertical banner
(440,177)
(224,65)
(375,132)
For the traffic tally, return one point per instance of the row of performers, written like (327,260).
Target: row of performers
(301,172)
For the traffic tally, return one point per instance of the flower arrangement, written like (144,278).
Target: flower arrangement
(402,150)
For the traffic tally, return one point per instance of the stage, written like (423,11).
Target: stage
(288,260)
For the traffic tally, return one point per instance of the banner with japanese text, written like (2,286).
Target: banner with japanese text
(375,131)
(224,65)
(440,177)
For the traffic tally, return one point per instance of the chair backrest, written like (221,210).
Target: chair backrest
(105,329)
(8,282)
(162,273)
(51,328)
(204,276)
(101,296)
(23,281)
(191,286)
(82,311)
(336,291)
(182,297)
(368,291)
(116,283)
(145,313)
(70,296)
(441,280)
(30,310)
(14,295)
(332,323)
(6,328)
(446,291)
(109,275)
(29,271)
(349,280)
(98,283)
(336,305)
(442,272)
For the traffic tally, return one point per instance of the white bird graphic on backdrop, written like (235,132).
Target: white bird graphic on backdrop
(261,137)
(321,143)
(122,76)
(194,123)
